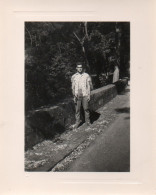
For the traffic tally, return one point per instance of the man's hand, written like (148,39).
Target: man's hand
(88,98)
(75,99)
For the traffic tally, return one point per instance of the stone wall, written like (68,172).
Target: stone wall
(48,122)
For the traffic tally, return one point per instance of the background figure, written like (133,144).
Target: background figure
(116,74)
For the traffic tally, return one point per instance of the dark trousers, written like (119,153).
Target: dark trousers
(84,102)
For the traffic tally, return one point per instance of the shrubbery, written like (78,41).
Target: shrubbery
(53,48)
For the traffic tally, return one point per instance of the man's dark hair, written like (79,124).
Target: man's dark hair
(79,63)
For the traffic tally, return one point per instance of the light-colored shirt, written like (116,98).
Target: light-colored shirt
(81,84)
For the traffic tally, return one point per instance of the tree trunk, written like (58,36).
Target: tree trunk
(29,36)
(83,49)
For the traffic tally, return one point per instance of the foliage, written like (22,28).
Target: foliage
(53,48)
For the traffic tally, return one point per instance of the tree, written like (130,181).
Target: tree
(53,48)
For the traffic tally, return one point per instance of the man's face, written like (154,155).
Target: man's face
(79,68)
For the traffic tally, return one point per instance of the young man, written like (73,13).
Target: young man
(81,88)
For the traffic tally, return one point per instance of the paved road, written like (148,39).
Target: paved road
(110,152)
(78,149)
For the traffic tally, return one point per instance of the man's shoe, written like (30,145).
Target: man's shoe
(77,124)
(88,123)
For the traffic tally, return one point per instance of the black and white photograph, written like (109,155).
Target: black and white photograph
(77,96)
(77,91)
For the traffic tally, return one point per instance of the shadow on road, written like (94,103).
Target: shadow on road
(124,92)
(123,110)
(127,90)
(127,118)
(94,116)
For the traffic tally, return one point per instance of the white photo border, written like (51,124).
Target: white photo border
(140,179)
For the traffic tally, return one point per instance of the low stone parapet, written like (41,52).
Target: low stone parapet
(46,123)
(101,96)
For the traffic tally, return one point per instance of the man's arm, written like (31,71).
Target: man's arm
(90,86)
(73,88)
(73,85)
(90,83)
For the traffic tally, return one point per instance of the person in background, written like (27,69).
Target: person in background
(116,74)
(81,89)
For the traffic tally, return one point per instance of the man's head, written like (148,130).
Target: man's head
(79,67)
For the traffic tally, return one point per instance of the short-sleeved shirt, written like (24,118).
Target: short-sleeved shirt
(81,84)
